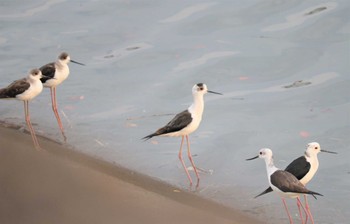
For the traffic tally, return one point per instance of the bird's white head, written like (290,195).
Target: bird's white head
(35,74)
(64,59)
(264,153)
(201,89)
(313,148)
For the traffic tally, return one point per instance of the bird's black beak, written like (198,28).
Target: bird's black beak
(255,157)
(76,62)
(328,151)
(214,92)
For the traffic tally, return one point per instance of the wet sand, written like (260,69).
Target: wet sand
(60,185)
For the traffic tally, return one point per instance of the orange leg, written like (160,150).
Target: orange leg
(54,108)
(29,124)
(182,161)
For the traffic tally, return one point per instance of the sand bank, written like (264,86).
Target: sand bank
(60,185)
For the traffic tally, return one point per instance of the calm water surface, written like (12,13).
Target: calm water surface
(283,67)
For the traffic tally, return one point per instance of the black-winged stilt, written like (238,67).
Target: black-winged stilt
(283,182)
(185,123)
(304,168)
(25,89)
(56,72)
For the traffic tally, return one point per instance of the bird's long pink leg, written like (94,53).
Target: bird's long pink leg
(300,213)
(285,206)
(29,124)
(308,210)
(191,160)
(182,161)
(54,108)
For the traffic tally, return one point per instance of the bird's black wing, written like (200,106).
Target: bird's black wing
(179,122)
(48,71)
(299,167)
(288,183)
(15,88)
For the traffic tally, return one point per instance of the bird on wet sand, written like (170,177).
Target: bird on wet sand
(55,73)
(283,182)
(304,168)
(185,123)
(25,89)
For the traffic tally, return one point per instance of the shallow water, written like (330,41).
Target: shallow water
(282,66)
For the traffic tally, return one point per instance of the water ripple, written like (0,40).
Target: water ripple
(33,11)
(186,12)
(300,17)
(204,59)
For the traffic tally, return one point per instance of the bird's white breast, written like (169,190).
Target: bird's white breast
(61,74)
(313,169)
(187,130)
(35,89)
(196,120)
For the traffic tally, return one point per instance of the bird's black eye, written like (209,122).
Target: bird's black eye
(260,153)
(201,88)
(316,147)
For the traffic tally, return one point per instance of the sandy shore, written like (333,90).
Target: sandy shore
(63,186)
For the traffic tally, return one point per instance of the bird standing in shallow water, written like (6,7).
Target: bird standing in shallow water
(283,182)
(304,168)
(55,73)
(25,89)
(185,123)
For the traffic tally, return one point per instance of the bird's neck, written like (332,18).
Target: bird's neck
(60,65)
(312,159)
(270,167)
(32,80)
(197,105)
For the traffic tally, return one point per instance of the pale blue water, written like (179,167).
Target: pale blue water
(143,57)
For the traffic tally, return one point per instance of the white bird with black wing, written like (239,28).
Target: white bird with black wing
(55,73)
(185,123)
(304,168)
(283,182)
(25,89)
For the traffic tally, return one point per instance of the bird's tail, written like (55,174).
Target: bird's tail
(149,136)
(160,131)
(268,190)
(313,193)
